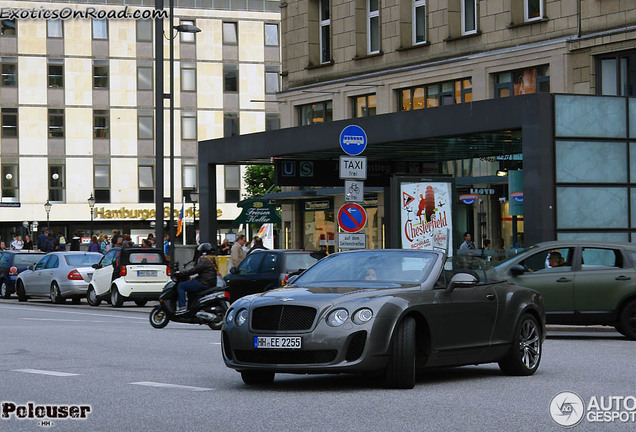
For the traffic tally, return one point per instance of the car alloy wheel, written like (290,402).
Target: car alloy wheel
(627,320)
(158,318)
(91,296)
(56,295)
(116,299)
(4,290)
(525,353)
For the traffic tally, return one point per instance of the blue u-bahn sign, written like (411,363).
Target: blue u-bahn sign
(353,140)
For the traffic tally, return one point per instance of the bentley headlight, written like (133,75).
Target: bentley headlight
(230,316)
(362,316)
(241,317)
(337,317)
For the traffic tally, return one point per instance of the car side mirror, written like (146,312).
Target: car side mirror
(95,266)
(517,270)
(31,267)
(234,270)
(292,279)
(459,280)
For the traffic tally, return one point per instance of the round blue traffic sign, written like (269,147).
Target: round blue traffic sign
(353,140)
(352,217)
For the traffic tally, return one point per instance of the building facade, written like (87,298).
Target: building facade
(77,102)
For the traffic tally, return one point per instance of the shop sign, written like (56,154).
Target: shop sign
(143,214)
(9,204)
(482,191)
(317,205)
(517,196)
(256,211)
(468,198)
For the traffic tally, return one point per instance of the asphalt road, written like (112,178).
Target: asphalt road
(136,378)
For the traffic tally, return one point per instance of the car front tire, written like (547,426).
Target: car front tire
(21,293)
(91,296)
(56,295)
(524,355)
(627,320)
(116,300)
(4,290)
(257,378)
(400,372)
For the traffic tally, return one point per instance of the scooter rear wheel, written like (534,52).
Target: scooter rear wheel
(158,318)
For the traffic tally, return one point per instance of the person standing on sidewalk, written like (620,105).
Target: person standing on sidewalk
(237,253)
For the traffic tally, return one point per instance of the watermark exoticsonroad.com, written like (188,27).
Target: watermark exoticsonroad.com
(88,13)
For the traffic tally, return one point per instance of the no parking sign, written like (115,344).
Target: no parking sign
(352,217)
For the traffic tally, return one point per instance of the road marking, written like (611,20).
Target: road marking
(174,386)
(48,309)
(60,319)
(215,343)
(44,372)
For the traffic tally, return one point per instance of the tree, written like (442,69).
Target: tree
(259,179)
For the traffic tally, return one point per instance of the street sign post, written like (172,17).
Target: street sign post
(353,167)
(352,217)
(354,191)
(353,140)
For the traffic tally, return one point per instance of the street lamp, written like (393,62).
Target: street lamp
(91,204)
(183,28)
(194,197)
(47,208)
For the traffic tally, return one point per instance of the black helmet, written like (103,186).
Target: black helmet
(204,248)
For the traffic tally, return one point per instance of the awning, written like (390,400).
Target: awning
(256,211)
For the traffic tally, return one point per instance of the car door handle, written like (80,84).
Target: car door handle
(564,279)
(621,277)
(491,296)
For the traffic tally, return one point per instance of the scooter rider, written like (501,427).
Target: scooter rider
(206,270)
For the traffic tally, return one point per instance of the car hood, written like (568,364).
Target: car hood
(326,294)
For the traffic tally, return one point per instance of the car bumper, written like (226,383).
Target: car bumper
(350,348)
(139,290)
(71,288)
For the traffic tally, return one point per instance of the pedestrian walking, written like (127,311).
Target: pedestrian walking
(237,253)
(94,245)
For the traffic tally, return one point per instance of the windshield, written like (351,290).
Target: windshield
(393,267)
(85,260)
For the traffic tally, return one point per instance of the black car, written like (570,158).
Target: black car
(263,270)
(387,312)
(12,263)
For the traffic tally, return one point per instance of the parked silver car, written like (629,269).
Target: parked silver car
(58,275)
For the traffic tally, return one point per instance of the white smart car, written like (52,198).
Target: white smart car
(123,274)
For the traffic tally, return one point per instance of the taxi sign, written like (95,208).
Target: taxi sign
(353,140)
(352,217)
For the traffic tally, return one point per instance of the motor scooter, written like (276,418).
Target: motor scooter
(205,307)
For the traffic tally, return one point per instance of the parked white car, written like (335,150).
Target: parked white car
(123,274)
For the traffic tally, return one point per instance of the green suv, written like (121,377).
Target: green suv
(582,282)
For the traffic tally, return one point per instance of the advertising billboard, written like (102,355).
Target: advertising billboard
(426,216)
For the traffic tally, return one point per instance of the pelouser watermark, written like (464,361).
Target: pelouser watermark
(87,13)
(568,409)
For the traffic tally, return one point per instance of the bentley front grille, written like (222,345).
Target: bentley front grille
(283,318)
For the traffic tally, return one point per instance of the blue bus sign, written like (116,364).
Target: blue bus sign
(353,140)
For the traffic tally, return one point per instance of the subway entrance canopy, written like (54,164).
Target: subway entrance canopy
(522,124)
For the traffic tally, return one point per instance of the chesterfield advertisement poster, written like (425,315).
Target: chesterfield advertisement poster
(426,216)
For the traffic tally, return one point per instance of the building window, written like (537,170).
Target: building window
(56,75)
(10,182)
(9,72)
(437,94)
(272,122)
(145,125)
(101,124)
(189,176)
(532,10)
(617,74)
(325,31)
(230,78)
(188,125)
(232,183)
(319,112)
(230,33)
(56,182)
(54,28)
(100,74)
(364,106)
(146,183)
(187,37)
(144,77)
(373,26)
(469,16)
(419,21)
(188,77)
(9,122)
(100,29)
(56,123)
(522,81)
(231,125)
(7,27)
(271,34)
(101,180)
(272,82)
(144,30)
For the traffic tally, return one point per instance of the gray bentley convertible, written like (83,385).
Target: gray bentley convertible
(389,312)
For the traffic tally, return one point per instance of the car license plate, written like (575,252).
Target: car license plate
(287,342)
(147,273)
